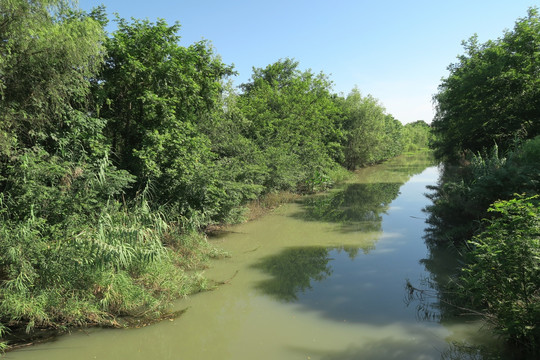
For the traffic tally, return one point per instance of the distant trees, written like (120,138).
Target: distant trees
(372,135)
(293,119)
(417,135)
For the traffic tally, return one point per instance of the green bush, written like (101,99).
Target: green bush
(464,194)
(503,276)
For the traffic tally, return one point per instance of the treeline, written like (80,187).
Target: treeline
(117,150)
(487,128)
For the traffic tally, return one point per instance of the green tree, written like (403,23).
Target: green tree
(48,51)
(292,117)
(463,195)
(416,135)
(393,137)
(372,135)
(154,93)
(492,95)
(70,252)
(239,162)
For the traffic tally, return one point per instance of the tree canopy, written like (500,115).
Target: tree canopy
(492,95)
(372,134)
(293,119)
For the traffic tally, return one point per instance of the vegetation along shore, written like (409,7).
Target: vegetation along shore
(118,152)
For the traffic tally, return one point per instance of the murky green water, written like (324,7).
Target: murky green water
(320,279)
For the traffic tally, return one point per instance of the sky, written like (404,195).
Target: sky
(396,50)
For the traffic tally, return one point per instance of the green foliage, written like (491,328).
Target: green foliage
(393,139)
(73,250)
(239,164)
(57,190)
(291,116)
(503,276)
(372,135)
(47,54)
(92,272)
(100,137)
(416,136)
(463,195)
(154,93)
(492,94)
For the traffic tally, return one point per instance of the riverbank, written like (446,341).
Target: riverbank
(322,277)
(189,253)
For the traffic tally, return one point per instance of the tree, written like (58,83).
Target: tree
(48,51)
(503,275)
(292,117)
(71,253)
(492,94)
(393,137)
(153,94)
(416,135)
(371,133)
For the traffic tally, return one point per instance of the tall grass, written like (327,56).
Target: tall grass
(463,195)
(129,261)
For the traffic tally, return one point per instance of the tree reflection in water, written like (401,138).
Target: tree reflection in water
(434,298)
(294,269)
(358,207)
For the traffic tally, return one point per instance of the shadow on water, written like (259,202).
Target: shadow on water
(295,269)
(357,207)
(297,273)
(336,282)
(415,348)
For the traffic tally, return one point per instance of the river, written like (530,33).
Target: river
(322,278)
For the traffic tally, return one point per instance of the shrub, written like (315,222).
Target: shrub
(503,276)
(463,195)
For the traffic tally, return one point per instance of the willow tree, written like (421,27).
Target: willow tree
(48,51)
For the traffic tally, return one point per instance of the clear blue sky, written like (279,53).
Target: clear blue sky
(395,50)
